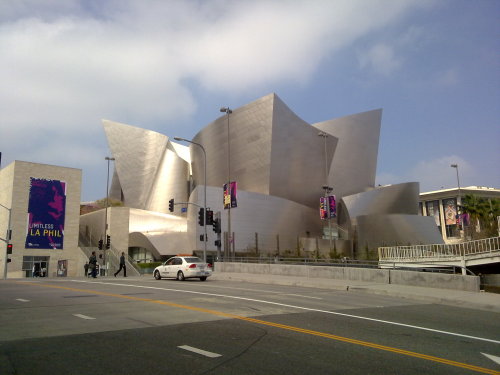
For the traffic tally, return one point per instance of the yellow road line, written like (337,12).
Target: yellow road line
(282,326)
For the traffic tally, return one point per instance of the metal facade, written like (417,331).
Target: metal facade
(355,162)
(279,163)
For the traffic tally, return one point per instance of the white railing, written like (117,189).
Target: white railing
(439,251)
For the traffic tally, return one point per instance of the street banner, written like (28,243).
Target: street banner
(327,207)
(46,214)
(230,195)
(323,204)
(450,211)
(332,204)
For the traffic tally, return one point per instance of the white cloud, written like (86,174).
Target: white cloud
(66,65)
(128,59)
(379,58)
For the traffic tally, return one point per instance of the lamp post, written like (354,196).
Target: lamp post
(327,188)
(228,111)
(458,183)
(106,216)
(205,193)
(459,199)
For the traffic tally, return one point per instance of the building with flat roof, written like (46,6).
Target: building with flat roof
(44,206)
(443,205)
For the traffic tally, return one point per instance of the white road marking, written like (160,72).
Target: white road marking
(83,316)
(22,300)
(200,351)
(492,357)
(299,308)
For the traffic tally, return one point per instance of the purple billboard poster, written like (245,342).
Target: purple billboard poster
(46,211)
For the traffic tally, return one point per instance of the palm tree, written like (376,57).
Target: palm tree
(493,212)
(482,214)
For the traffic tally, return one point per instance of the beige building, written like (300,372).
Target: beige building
(44,228)
(442,205)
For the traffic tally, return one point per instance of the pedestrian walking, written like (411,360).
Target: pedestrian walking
(122,265)
(93,264)
(86,267)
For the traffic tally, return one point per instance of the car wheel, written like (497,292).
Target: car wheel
(157,275)
(180,276)
(203,278)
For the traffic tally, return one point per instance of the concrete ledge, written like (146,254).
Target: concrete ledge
(370,275)
(436,280)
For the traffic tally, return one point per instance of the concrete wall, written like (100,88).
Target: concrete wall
(373,275)
(435,280)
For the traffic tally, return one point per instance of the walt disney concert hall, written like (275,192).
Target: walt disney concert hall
(280,167)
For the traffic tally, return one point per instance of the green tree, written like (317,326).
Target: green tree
(111,203)
(483,216)
(492,214)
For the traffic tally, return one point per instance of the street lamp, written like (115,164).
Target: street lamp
(327,188)
(106,216)
(458,183)
(228,111)
(205,194)
(459,199)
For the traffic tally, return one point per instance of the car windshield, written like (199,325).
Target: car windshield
(193,260)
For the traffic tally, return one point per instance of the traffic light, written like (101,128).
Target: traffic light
(9,251)
(171,205)
(201,216)
(216,225)
(100,244)
(210,217)
(108,241)
(217,243)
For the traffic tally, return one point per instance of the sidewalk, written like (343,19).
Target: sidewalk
(480,301)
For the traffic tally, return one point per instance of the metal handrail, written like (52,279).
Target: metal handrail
(87,245)
(483,246)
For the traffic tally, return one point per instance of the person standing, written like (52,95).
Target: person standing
(86,267)
(122,265)
(93,264)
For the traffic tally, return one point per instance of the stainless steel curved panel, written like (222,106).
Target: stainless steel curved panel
(392,199)
(396,229)
(272,151)
(148,168)
(355,162)
(137,154)
(170,182)
(266,215)
(298,158)
(250,134)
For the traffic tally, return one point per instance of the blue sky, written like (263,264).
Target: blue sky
(168,66)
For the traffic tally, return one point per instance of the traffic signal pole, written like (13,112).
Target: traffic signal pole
(217,219)
(7,242)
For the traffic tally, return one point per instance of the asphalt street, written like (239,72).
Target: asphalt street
(144,326)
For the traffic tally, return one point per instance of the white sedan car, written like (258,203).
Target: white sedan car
(183,267)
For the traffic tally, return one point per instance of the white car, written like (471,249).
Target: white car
(183,267)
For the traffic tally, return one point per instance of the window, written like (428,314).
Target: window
(193,260)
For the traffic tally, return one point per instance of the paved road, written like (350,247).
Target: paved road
(142,326)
